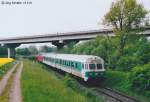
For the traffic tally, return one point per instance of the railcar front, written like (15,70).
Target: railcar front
(93,68)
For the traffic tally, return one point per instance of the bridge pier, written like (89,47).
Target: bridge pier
(8,52)
(11,50)
(61,44)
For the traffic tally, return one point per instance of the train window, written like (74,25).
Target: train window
(86,66)
(60,61)
(63,62)
(76,65)
(99,66)
(56,60)
(72,65)
(92,66)
(66,63)
(69,63)
(83,66)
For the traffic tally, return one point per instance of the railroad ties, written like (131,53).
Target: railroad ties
(114,96)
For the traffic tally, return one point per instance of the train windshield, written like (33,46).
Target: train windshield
(92,66)
(99,66)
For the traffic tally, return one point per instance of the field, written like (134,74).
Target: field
(41,85)
(4,61)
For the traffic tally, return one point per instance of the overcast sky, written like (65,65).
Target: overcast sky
(50,16)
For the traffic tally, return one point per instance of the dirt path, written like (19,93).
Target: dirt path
(15,91)
(4,80)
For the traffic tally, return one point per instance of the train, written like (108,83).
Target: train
(86,67)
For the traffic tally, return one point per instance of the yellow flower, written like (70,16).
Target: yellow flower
(4,61)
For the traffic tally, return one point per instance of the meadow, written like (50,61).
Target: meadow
(41,85)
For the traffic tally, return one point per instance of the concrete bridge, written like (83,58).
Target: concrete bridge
(58,39)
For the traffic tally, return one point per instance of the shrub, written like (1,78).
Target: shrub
(140,77)
(5,68)
(70,82)
(126,63)
(143,53)
(116,79)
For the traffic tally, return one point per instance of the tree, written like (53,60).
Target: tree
(23,51)
(33,50)
(125,16)
(46,48)
(147,22)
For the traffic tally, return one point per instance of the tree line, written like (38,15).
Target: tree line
(27,51)
(33,50)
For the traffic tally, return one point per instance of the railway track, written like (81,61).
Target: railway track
(114,95)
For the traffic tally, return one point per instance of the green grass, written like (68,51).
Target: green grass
(40,85)
(120,81)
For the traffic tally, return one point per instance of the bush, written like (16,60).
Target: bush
(70,82)
(140,77)
(126,63)
(5,68)
(143,53)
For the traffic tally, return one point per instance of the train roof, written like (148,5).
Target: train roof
(73,57)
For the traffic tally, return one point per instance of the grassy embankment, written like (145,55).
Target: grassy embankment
(121,81)
(40,85)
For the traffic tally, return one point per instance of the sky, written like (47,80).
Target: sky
(52,16)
